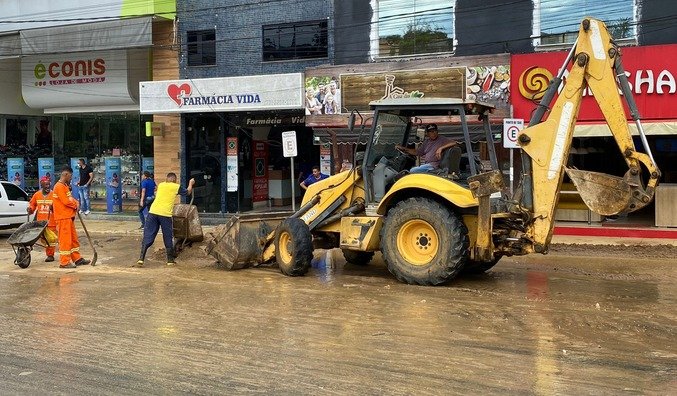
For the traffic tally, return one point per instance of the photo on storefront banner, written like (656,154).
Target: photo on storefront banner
(323,95)
(15,171)
(113,185)
(46,169)
(489,84)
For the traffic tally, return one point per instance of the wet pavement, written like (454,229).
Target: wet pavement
(573,322)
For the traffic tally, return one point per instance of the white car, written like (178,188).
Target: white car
(13,205)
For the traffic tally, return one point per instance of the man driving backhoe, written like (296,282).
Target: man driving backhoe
(431,149)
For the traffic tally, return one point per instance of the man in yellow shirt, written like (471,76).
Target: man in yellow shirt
(160,216)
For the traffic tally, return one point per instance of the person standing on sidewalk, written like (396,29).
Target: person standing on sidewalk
(147,196)
(42,202)
(85,181)
(65,210)
(160,216)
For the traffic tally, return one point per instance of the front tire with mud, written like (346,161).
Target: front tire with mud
(356,257)
(293,247)
(423,242)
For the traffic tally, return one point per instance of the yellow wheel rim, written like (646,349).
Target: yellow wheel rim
(417,242)
(284,247)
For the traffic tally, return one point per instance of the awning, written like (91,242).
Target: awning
(650,128)
(96,36)
(10,45)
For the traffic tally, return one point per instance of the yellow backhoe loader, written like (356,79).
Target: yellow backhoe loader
(431,227)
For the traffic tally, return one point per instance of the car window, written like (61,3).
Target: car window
(14,193)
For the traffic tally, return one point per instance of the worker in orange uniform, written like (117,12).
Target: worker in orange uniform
(65,210)
(42,202)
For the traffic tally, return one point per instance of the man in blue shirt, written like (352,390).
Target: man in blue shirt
(147,196)
(314,177)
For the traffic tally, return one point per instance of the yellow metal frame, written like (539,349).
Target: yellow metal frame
(450,191)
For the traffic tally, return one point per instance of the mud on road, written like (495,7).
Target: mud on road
(577,321)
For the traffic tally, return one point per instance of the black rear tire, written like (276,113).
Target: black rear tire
(293,247)
(356,257)
(432,236)
(473,267)
(23,257)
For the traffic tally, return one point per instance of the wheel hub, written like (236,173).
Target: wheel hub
(417,242)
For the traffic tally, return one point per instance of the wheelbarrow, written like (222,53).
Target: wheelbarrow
(186,225)
(26,236)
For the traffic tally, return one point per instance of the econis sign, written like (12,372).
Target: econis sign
(77,71)
(651,71)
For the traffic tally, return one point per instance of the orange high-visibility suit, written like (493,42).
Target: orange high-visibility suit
(65,210)
(43,204)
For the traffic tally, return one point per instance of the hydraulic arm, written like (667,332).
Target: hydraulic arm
(597,65)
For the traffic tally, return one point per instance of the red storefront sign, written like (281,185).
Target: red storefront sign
(260,164)
(651,70)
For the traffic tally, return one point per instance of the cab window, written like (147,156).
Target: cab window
(14,193)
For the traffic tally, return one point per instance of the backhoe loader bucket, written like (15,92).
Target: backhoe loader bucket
(240,242)
(604,194)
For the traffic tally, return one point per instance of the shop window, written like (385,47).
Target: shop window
(301,40)
(202,48)
(413,27)
(557,22)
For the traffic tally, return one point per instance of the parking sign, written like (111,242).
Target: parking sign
(289,148)
(511,129)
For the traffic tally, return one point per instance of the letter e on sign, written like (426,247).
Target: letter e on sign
(511,129)
(289,148)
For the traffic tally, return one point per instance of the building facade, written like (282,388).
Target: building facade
(240,85)
(71,74)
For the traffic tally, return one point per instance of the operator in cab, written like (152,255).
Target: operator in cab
(430,150)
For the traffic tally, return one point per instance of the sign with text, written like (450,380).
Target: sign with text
(15,171)
(46,169)
(266,92)
(651,71)
(113,184)
(231,164)
(361,88)
(511,130)
(260,164)
(289,148)
(75,79)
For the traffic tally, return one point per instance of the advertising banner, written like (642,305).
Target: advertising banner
(148,164)
(46,168)
(113,185)
(260,164)
(325,159)
(76,177)
(248,93)
(15,171)
(651,71)
(80,79)
(231,164)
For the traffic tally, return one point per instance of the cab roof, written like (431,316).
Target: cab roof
(431,103)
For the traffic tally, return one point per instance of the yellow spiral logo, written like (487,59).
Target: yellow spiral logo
(534,82)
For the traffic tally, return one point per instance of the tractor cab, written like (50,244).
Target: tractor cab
(401,121)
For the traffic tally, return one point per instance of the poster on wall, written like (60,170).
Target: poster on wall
(15,171)
(490,84)
(46,169)
(231,164)
(113,185)
(76,177)
(148,165)
(260,159)
(325,159)
(322,95)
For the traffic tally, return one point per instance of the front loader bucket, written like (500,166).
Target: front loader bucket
(241,241)
(604,194)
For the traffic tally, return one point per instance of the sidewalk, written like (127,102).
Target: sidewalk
(565,233)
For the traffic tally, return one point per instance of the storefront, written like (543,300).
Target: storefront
(231,137)
(484,79)
(72,92)
(651,71)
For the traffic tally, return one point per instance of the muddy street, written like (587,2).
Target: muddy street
(576,321)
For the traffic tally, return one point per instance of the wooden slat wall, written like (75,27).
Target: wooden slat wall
(166,67)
